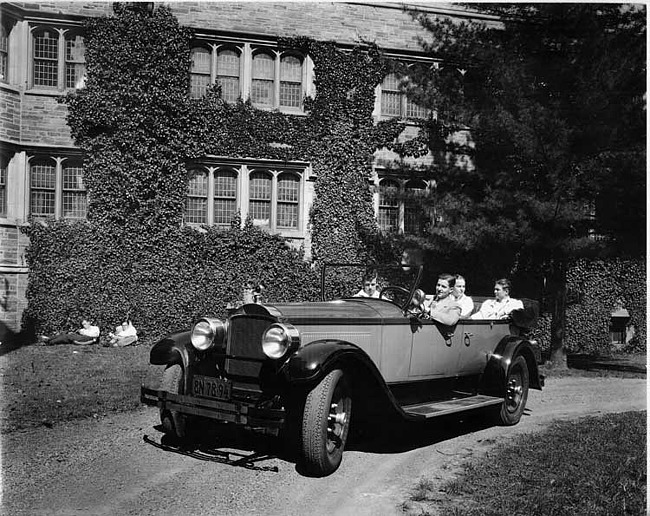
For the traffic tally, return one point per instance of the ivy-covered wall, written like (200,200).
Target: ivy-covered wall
(596,287)
(164,280)
(139,130)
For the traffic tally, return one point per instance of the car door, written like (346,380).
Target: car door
(477,340)
(434,349)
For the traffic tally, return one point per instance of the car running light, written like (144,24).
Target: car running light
(278,339)
(208,333)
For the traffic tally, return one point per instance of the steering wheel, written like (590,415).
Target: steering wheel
(395,289)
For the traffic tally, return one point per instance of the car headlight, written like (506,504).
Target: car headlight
(278,339)
(208,333)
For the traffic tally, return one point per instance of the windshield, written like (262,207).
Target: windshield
(392,282)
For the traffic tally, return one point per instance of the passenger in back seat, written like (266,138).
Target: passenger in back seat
(466,303)
(502,305)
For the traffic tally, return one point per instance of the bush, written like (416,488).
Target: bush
(164,280)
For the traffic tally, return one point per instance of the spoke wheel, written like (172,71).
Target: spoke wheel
(326,424)
(516,393)
(173,422)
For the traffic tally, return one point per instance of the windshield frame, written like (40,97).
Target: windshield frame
(414,285)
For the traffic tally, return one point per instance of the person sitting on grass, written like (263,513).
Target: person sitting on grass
(125,335)
(87,334)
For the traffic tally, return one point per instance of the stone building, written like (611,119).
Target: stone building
(42,56)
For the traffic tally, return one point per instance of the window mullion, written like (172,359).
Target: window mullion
(58,189)
(276,81)
(274,201)
(210,214)
(247,71)
(213,61)
(244,178)
(61,60)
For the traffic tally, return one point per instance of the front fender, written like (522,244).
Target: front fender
(496,371)
(173,349)
(313,361)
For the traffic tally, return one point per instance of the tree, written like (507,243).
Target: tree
(553,98)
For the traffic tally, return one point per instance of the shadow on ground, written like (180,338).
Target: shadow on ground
(228,445)
(626,363)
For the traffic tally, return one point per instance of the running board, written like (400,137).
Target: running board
(441,408)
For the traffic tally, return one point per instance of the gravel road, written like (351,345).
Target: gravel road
(104,467)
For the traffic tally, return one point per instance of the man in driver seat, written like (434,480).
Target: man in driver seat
(443,306)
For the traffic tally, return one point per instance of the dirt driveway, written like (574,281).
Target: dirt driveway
(104,467)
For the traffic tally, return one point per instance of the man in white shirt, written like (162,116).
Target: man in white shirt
(502,305)
(369,287)
(466,303)
(87,334)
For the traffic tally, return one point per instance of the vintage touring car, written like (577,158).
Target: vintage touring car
(304,369)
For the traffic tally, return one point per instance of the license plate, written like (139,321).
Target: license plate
(208,387)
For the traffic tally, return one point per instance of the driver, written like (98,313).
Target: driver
(443,306)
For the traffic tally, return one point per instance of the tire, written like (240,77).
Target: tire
(326,424)
(516,393)
(173,422)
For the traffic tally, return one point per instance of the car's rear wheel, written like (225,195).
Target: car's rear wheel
(173,422)
(516,394)
(326,424)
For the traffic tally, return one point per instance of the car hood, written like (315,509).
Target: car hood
(357,309)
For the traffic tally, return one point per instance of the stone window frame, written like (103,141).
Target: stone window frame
(58,191)
(394,214)
(286,87)
(62,60)
(280,200)
(4,171)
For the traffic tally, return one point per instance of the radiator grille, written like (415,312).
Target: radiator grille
(244,347)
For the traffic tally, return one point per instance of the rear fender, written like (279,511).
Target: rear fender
(496,371)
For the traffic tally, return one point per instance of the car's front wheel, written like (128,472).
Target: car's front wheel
(326,424)
(173,422)
(516,393)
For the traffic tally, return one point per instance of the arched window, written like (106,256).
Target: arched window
(42,187)
(260,187)
(4,53)
(3,185)
(225,195)
(388,205)
(228,71)
(74,192)
(197,198)
(414,214)
(46,58)
(262,85)
(288,201)
(395,101)
(75,65)
(58,59)
(290,81)
(199,71)
(391,96)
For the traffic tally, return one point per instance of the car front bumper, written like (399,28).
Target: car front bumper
(236,412)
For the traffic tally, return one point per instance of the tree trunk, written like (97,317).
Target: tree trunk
(558,291)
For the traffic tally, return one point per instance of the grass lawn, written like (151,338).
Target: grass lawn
(43,385)
(590,467)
